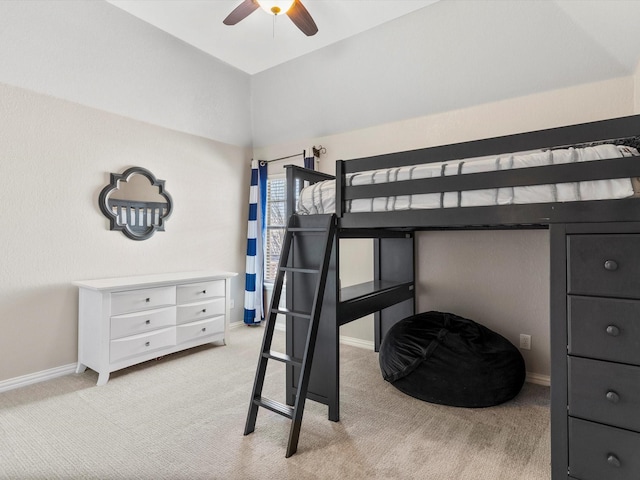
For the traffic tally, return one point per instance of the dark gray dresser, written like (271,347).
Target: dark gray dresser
(596,352)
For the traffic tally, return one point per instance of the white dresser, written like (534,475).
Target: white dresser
(125,321)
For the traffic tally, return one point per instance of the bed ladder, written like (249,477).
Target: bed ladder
(327,227)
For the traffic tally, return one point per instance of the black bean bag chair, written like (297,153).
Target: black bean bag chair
(446,359)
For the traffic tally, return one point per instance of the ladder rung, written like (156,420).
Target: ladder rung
(282,357)
(299,270)
(277,407)
(293,313)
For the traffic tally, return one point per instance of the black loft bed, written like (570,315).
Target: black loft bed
(578,229)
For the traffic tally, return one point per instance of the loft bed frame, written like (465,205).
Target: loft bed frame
(391,295)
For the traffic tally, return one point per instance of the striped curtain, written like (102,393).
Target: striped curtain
(253,296)
(309,161)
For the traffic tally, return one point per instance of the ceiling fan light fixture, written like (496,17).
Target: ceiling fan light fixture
(276,7)
(294,9)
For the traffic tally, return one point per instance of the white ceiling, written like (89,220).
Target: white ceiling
(257,42)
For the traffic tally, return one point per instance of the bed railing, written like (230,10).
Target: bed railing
(297,179)
(562,137)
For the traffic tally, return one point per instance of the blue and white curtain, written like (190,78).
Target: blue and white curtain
(309,160)
(253,296)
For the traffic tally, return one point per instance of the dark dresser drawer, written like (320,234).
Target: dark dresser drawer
(608,329)
(598,452)
(607,265)
(605,392)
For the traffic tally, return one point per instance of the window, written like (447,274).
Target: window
(276,222)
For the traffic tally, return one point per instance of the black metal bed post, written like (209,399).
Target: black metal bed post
(339,188)
(291,194)
(559,345)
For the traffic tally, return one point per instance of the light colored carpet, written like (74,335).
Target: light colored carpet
(182,417)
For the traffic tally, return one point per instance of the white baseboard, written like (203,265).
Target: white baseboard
(52,373)
(357,342)
(538,379)
(535,378)
(36,377)
(233,325)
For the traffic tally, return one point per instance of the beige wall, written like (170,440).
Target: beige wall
(636,77)
(55,157)
(61,154)
(500,278)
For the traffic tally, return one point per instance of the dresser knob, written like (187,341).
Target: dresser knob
(146,344)
(204,329)
(148,322)
(613,330)
(611,265)
(613,460)
(204,291)
(612,396)
(147,300)
(204,310)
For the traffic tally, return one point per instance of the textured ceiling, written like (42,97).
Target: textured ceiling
(257,42)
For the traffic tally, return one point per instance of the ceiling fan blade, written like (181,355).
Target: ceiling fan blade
(302,19)
(241,12)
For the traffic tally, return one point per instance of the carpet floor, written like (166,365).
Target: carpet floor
(182,417)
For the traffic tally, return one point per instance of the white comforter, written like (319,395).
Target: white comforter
(320,197)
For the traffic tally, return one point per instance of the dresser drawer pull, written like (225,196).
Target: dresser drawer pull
(147,299)
(147,322)
(612,396)
(204,310)
(611,265)
(613,460)
(146,344)
(204,291)
(613,330)
(204,329)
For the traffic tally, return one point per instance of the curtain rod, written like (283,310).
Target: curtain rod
(283,158)
(316,153)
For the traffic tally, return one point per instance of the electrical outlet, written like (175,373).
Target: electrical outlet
(525,341)
(231,303)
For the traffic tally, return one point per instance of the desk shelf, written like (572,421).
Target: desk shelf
(366,298)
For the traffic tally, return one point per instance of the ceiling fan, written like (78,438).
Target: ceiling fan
(291,8)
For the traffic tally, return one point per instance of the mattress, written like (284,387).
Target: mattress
(319,198)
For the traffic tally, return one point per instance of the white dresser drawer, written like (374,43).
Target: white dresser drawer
(142,343)
(203,328)
(200,310)
(195,292)
(140,322)
(144,299)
